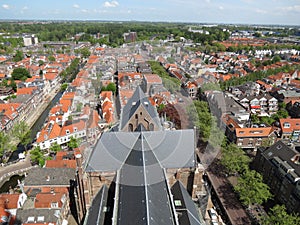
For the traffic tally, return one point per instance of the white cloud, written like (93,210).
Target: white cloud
(84,10)
(261,11)
(5,6)
(294,8)
(76,6)
(221,7)
(111,4)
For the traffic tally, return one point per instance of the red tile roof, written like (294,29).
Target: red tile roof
(61,163)
(50,76)
(153,78)
(44,200)
(254,132)
(9,201)
(71,128)
(26,90)
(291,125)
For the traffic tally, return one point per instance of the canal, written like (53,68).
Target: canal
(36,126)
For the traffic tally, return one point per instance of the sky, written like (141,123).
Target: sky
(282,12)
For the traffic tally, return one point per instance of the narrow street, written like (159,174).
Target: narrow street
(228,199)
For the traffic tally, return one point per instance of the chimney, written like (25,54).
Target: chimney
(296,159)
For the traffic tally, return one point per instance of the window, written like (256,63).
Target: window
(67,132)
(151,127)
(177,203)
(286,125)
(54,204)
(130,127)
(30,219)
(40,218)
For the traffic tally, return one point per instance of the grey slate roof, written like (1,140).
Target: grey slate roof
(173,149)
(49,176)
(96,213)
(138,99)
(283,152)
(37,215)
(185,207)
(143,193)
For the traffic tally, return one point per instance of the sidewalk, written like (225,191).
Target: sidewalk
(232,206)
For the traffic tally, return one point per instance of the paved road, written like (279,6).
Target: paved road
(15,166)
(232,206)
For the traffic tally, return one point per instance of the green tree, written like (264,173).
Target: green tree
(5,144)
(276,59)
(41,62)
(21,132)
(55,148)
(234,159)
(85,52)
(251,188)
(18,56)
(79,107)
(111,87)
(63,87)
(279,216)
(200,116)
(73,143)
(20,74)
(37,156)
(51,58)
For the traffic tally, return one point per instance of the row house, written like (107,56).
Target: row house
(249,88)
(191,88)
(248,137)
(53,133)
(126,79)
(30,98)
(10,112)
(48,196)
(53,79)
(254,137)
(148,80)
(259,104)
(281,79)
(264,87)
(279,165)
(286,95)
(9,203)
(293,107)
(106,109)
(290,129)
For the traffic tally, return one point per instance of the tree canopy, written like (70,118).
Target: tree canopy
(279,216)
(21,132)
(234,159)
(252,189)
(20,74)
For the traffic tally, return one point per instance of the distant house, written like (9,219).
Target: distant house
(293,107)
(248,137)
(290,129)
(253,137)
(259,104)
(148,80)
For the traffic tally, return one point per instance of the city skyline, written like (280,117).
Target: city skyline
(271,12)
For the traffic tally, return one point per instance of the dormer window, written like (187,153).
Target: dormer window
(67,132)
(286,125)
(54,204)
